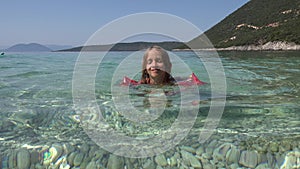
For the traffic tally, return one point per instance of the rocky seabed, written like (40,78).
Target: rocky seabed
(208,156)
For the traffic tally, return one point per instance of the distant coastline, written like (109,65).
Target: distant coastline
(269,46)
(170,46)
(274,46)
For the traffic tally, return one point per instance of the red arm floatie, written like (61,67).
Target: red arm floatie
(193,80)
(196,80)
(127,81)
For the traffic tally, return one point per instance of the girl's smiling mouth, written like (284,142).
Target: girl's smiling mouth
(155,70)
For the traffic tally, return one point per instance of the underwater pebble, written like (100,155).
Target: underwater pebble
(273,147)
(91,165)
(1,160)
(84,148)
(115,162)
(185,157)
(66,166)
(258,148)
(39,166)
(4,161)
(61,161)
(209,152)
(161,160)
(234,166)
(149,164)
(285,146)
(188,149)
(220,152)
(99,154)
(263,166)
(63,164)
(78,159)
(173,161)
(208,166)
(233,155)
(70,158)
(68,148)
(279,159)
(262,158)
(212,144)
(271,160)
(248,159)
(200,150)
(292,160)
(190,160)
(34,157)
(85,162)
(55,152)
(23,159)
(206,156)
(92,151)
(12,162)
(129,163)
(195,163)
(159,167)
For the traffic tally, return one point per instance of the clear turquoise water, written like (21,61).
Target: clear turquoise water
(36,105)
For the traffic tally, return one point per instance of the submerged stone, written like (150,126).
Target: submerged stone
(173,161)
(115,162)
(220,152)
(84,148)
(56,150)
(161,160)
(70,158)
(190,159)
(34,157)
(263,166)
(12,162)
(149,164)
(273,147)
(271,160)
(292,160)
(233,155)
(68,148)
(91,165)
(23,159)
(200,150)
(78,159)
(188,149)
(249,159)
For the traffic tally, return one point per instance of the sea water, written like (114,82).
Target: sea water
(260,124)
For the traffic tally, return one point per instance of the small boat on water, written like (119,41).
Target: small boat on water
(2,53)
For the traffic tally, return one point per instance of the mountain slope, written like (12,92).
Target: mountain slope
(54,47)
(256,23)
(31,47)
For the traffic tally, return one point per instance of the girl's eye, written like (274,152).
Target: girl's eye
(149,61)
(158,60)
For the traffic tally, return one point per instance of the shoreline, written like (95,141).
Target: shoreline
(269,46)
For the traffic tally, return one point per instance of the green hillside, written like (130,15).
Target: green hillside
(257,22)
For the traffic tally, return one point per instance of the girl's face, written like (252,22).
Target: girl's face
(155,66)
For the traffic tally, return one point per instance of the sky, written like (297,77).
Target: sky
(70,22)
